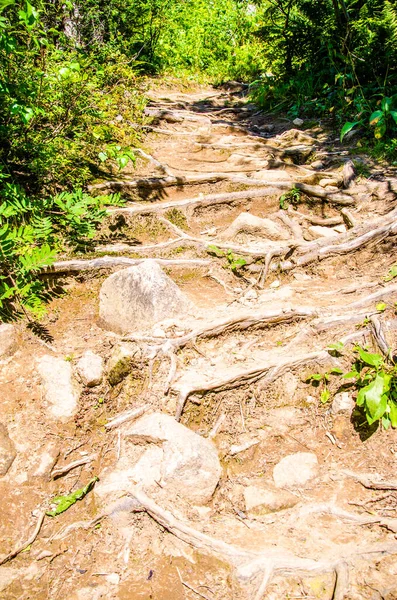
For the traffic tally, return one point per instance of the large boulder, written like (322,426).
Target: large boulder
(175,462)
(247,223)
(137,297)
(60,390)
(7,450)
(8,341)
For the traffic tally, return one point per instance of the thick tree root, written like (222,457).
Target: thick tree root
(110,262)
(154,183)
(267,563)
(267,372)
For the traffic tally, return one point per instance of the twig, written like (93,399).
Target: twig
(130,415)
(55,473)
(28,542)
(189,587)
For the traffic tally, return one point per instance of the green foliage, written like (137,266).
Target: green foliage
(392,273)
(234,262)
(335,58)
(375,378)
(32,232)
(321,381)
(62,503)
(292,197)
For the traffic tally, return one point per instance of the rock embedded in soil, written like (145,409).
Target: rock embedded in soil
(295,470)
(122,361)
(7,450)
(263,499)
(90,369)
(175,462)
(342,403)
(247,223)
(319,232)
(8,340)
(60,389)
(138,297)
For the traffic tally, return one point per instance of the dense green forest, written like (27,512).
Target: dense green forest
(72,96)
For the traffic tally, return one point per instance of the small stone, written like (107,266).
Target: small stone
(328,182)
(60,390)
(158,332)
(119,118)
(247,223)
(139,296)
(319,231)
(261,500)
(251,295)
(121,362)
(342,403)
(7,450)
(301,276)
(295,470)
(275,284)
(44,463)
(298,122)
(317,164)
(90,369)
(8,341)
(340,228)
(331,189)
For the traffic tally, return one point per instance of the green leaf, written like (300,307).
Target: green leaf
(386,104)
(65,502)
(351,374)
(315,377)
(102,156)
(374,360)
(380,129)
(5,3)
(338,347)
(393,113)
(336,371)
(211,249)
(374,118)
(347,127)
(391,274)
(386,422)
(381,306)
(325,395)
(393,413)
(375,400)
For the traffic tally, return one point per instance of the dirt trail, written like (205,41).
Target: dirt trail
(272,289)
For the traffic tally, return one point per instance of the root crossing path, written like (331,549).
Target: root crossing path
(282,242)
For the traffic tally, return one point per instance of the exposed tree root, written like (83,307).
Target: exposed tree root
(240,323)
(371,483)
(268,371)
(154,183)
(28,542)
(266,563)
(109,262)
(163,168)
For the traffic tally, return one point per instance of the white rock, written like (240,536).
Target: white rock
(60,390)
(44,462)
(295,470)
(317,164)
(326,182)
(7,450)
(341,403)
(8,341)
(176,461)
(319,231)
(247,223)
(263,499)
(90,368)
(275,284)
(138,297)
(158,332)
(340,228)
(298,122)
(251,295)
(301,276)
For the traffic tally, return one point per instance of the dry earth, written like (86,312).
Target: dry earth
(233,370)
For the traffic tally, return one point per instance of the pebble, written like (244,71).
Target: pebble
(342,403)
(251,295)
(298,122)
(90,369)
(295,470)
(275,284)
